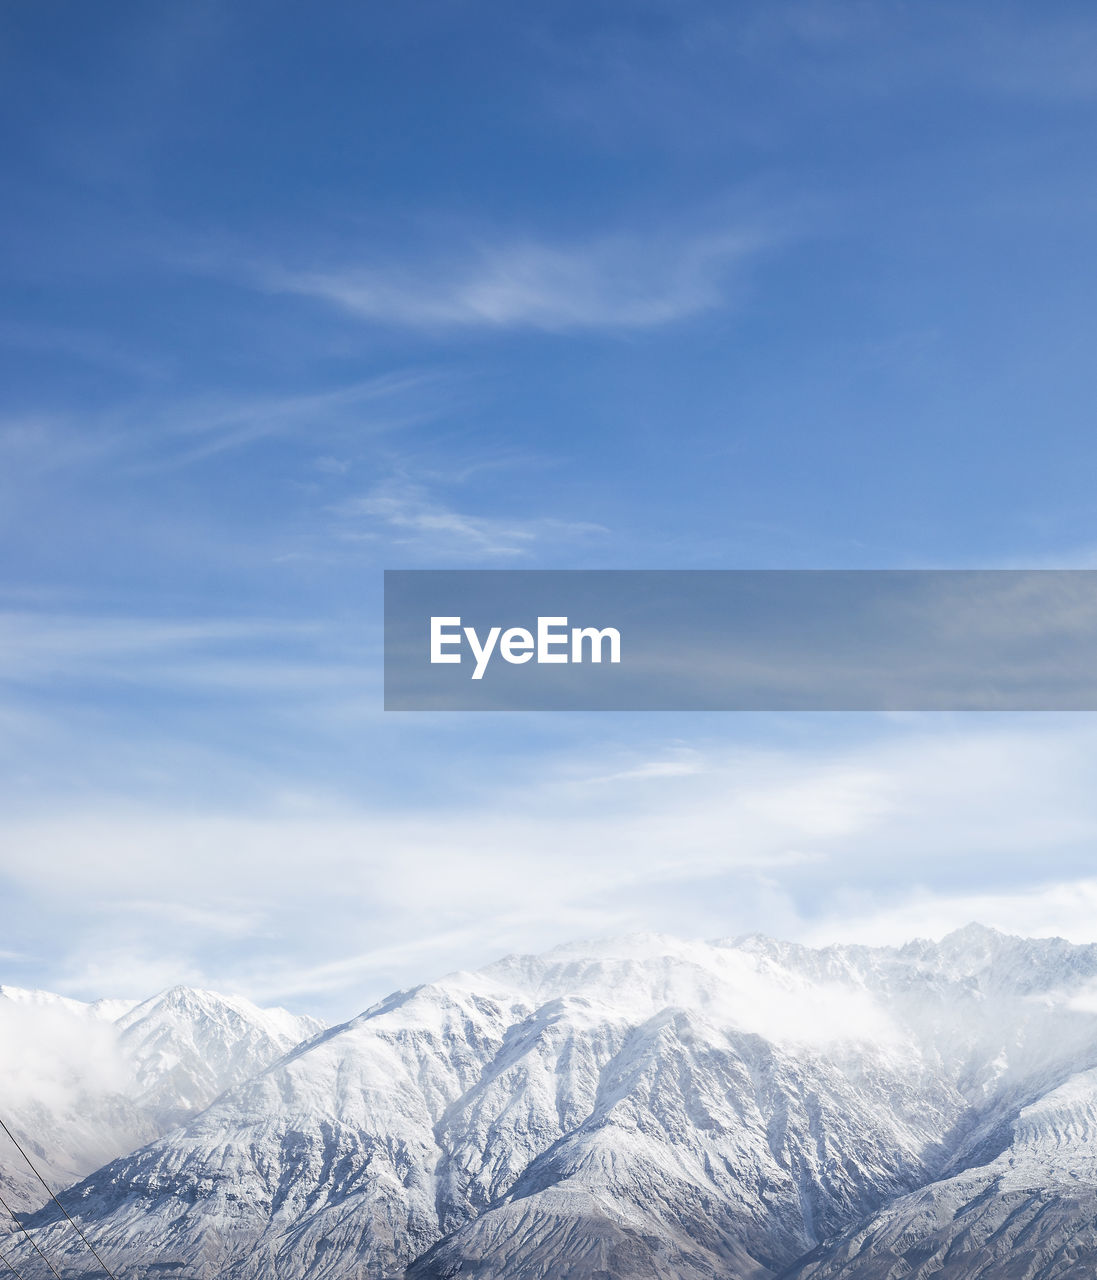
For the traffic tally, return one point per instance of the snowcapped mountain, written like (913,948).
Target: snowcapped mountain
(186,1047)
(647,1108)
(83,1083)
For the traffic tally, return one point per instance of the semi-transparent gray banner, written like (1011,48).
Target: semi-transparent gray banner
(741,640)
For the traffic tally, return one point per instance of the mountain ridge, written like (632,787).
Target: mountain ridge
(647,1107)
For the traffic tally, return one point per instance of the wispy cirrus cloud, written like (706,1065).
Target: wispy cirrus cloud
(264,657)
(170,433)
(619,282)
(412,518)
(204,428)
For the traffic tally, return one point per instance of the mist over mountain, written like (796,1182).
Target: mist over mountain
(647,1107)
(83,1083)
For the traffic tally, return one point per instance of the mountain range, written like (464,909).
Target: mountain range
(645,1108)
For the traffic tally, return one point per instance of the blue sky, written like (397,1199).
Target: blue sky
(290,298)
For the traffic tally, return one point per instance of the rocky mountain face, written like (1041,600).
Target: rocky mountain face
(1029,1212)
(642,1109)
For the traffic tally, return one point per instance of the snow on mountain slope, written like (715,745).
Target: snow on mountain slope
(1028,1214)
(83,1083)
(645,1108)
(188,1046)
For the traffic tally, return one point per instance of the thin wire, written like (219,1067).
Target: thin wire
(28,1235)
(49,1192)
(10,1267)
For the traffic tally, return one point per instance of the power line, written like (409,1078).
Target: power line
(10,1267)
(49,1192)
(34,1246)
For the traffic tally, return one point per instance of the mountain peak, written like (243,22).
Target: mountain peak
(973,931)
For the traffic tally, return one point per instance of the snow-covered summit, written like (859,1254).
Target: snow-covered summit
(81,1083)
(643,1107)
(186,1046)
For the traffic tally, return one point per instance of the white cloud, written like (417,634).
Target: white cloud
(678,762)
(54,1052)
(1060,908)
(616,283)
(910,834)
(419,521)
(198,430)
(220,651)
